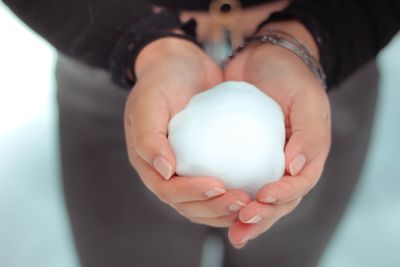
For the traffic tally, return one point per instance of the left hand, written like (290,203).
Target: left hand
(285,78)
(170,71)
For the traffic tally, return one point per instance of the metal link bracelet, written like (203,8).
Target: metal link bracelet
(287,41)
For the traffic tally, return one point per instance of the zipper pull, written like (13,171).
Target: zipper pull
(226,35)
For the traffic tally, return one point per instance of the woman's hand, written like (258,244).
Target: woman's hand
(170,71)
(284,77)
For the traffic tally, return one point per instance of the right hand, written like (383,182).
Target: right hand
(283,76)
(169,72)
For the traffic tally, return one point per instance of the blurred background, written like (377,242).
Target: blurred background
(34,229)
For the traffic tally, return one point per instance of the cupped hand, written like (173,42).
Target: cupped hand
(285,78)
(169,72)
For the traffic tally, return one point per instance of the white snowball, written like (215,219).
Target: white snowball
(233,132)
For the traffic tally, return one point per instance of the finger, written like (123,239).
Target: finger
(224,221)
(146,119)
(289,188)
(230,202)
(259,213)
(240,233)
(310,129)
(177,189)
(181,189)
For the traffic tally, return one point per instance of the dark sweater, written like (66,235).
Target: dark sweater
(348,32)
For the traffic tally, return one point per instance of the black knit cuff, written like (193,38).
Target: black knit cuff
(147,30)
(323,40)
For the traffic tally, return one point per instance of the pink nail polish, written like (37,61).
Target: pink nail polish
(254,220)
(163,167)
(236,206)
(297,164)
(215,191)
(269,200)
(241,244)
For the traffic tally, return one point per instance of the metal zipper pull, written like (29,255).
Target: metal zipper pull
(225,30)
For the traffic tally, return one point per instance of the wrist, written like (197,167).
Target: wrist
(165,50)
(142,33)
(279,45)
(297,30)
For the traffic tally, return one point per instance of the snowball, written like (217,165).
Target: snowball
(233,132)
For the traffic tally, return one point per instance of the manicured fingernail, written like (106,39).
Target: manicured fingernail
(241,244)
(269,200)
(254,220)
(236,206)
(297,164)
(215,191)
(163,167)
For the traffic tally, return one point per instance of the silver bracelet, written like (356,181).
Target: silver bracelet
(287,41)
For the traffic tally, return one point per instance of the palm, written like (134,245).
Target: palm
(288,81)
(163,89)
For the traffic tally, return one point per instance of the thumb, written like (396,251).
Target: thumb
(309,131)
(147,118)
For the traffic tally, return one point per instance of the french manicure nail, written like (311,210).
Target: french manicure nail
(297,164)
(215,191)
(163,167)
(269,200)
(254,220)
(241,244)
(236,206)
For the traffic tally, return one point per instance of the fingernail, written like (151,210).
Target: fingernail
(254,220)
(241,244)
(236,206)
(163,167)
(269,200)
(215,191)
(297,164)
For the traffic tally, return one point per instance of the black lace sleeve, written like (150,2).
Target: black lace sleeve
(349,33)
(142,33)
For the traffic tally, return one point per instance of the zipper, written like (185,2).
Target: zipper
(226,35)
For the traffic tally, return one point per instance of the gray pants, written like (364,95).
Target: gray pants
(117,222)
